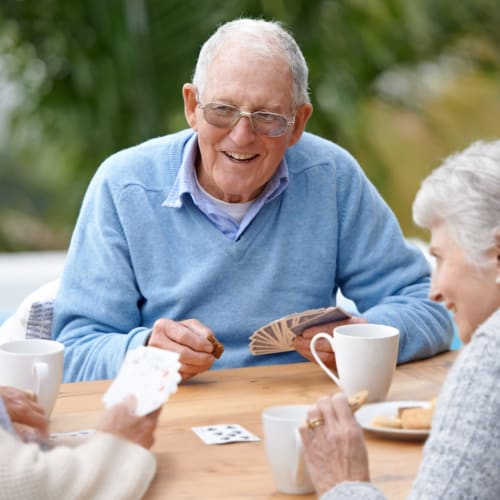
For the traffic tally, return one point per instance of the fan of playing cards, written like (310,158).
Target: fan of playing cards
(150,374)
(278,335)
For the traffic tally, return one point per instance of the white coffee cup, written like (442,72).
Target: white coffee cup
(366,356)
(284,450)
(34,365)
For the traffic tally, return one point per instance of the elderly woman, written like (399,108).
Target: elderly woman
(460,204)
(115,462)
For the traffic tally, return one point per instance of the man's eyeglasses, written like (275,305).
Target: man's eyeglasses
(262,122)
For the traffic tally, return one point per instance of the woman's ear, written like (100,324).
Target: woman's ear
(190,104)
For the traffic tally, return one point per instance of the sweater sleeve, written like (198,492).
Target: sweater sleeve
(387,277)
(96,313)
(353,489)
(101,468)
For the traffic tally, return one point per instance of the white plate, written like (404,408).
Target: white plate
(367,413)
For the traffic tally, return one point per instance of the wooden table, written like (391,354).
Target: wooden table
(189,469)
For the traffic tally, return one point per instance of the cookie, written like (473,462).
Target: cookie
(387,422)
(416,418)
(356,401)
(408,418)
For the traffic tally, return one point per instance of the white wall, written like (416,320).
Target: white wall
(21,273)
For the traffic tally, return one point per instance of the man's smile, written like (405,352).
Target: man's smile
(240,157)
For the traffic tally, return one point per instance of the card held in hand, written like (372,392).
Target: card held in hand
(278,335)
(148,373)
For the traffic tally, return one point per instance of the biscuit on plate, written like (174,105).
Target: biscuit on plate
(408,417)
(387,422)
(416,418)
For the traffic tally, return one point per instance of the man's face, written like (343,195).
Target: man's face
(235,164)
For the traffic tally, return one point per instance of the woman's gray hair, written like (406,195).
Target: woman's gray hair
(464,193)
(268,38)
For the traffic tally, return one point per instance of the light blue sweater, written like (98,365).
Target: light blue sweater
(132,260)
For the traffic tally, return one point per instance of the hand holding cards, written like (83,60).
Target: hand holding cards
(278,335)
(148,373)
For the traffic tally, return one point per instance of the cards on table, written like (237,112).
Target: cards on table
(224,434)
(278,335)
(150,374)
(72,438)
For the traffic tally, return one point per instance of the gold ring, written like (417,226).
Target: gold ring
(315,422)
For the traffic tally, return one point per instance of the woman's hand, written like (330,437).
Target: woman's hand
(121,421)
(27,416)
(334,451)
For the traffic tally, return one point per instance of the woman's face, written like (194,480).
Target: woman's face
(469,292)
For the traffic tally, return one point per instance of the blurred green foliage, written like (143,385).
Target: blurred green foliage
(398,83)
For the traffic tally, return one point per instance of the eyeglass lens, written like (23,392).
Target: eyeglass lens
(225,116)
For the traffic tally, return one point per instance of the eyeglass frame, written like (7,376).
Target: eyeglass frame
(246,114)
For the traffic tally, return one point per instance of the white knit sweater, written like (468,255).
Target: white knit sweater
(102,468)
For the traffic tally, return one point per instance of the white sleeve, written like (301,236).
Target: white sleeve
(103,467)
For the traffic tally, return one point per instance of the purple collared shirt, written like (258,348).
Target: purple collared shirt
(185,183)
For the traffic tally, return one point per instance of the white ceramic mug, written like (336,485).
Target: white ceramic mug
(366,356)
(284,450)
(34,365)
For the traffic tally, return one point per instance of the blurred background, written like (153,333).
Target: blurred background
(401,84)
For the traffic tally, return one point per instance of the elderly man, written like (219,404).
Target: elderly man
(240,220)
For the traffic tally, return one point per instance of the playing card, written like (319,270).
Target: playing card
(150,374)
(72,438)
(327,316)
(278,336)
(224,434)
(72,434)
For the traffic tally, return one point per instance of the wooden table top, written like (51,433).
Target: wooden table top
(190,469)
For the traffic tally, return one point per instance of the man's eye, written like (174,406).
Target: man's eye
(267,117)
(224,110)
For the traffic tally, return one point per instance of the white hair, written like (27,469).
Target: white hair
(267,38)
(464,194)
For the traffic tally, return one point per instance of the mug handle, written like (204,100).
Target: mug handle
(41,370)
(318,360)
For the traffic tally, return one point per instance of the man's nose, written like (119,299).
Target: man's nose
(243,128)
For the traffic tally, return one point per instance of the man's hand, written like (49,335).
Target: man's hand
(302,343)
(27,416)
(189,339)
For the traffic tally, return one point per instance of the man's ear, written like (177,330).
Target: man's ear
(190,104)
(302,116)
